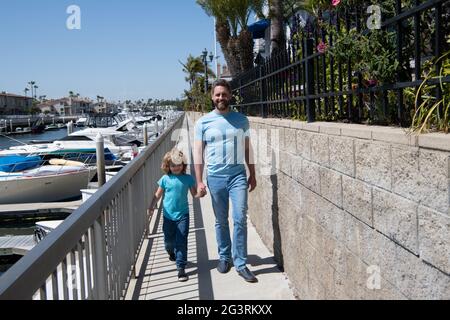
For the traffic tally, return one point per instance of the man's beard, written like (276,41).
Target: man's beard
(223,105)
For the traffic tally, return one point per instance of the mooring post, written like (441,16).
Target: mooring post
(69,127)
(100,154)
(145,132)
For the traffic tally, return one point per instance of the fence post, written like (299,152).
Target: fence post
(310,103)
(262,87)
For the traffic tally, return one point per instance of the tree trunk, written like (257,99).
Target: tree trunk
(245,43)
(277,37)
(224,39)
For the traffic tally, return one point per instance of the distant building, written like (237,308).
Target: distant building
(105,107)
(70,106)
(14,104)
(223,72)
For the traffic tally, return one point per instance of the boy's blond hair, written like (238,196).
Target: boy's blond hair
(175,156)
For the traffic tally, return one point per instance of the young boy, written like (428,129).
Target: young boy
(175,185)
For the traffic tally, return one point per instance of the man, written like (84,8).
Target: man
(225,134)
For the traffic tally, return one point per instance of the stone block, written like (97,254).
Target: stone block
(334,253)
(330,128)
(341,155)
(437,141)
(285,163)
(296,168)
(357,199)
(418,280)
(357,131)
(320,150)
(396,217)
(304,144)
(331,186)
(393,135)
(290,140)
(434,167)
(356,235)
(421,176)
(343,288)
(331,218)
(311,176)
(373,163)
(312,127)
(434,238)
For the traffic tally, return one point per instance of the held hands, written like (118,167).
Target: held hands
(251,183)
(201,190)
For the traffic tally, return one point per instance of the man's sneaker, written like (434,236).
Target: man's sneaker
(223,266)
(171,255)
(247,275)
(182,276)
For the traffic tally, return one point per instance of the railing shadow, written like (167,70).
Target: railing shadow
(141,276)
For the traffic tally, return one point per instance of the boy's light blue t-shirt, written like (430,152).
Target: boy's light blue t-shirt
(224,136)
(176,187)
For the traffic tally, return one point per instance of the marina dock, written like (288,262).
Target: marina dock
(55,210)
(16,245)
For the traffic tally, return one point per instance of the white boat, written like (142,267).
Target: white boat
(68,147)
(61,180)
(81,122)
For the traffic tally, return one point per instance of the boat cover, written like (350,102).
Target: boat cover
(17,163)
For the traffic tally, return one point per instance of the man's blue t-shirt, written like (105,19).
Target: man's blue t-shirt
(224,136)
(176,187)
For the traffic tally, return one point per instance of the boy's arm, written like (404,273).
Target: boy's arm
(156,197)
(194,193)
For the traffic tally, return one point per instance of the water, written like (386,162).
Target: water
(19,139)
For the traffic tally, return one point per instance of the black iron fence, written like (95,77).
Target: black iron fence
(336,68)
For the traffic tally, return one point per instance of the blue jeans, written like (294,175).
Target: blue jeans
(176,238)
(222,189)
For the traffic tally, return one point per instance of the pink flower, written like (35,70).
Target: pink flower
(322,47)
(335,2)
(373,82)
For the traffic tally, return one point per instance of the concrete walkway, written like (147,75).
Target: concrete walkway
(158,276)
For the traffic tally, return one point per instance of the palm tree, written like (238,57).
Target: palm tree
(236,41)
(26,91)
(32,83)
(35,94)
(277,37)
(193,68)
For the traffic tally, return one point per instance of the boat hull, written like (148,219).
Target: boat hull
(50,188)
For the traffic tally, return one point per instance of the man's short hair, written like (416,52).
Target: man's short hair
(220,83)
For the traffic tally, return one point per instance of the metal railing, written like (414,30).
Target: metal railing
(306,81)
(92,254)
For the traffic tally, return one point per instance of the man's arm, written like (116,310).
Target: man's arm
(250,164)
(199,147)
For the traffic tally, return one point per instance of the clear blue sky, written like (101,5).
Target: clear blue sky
(126,49)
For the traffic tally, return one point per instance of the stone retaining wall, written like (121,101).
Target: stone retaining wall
(354,211)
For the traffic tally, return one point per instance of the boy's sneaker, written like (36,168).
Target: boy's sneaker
(171,255)
(182,276)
